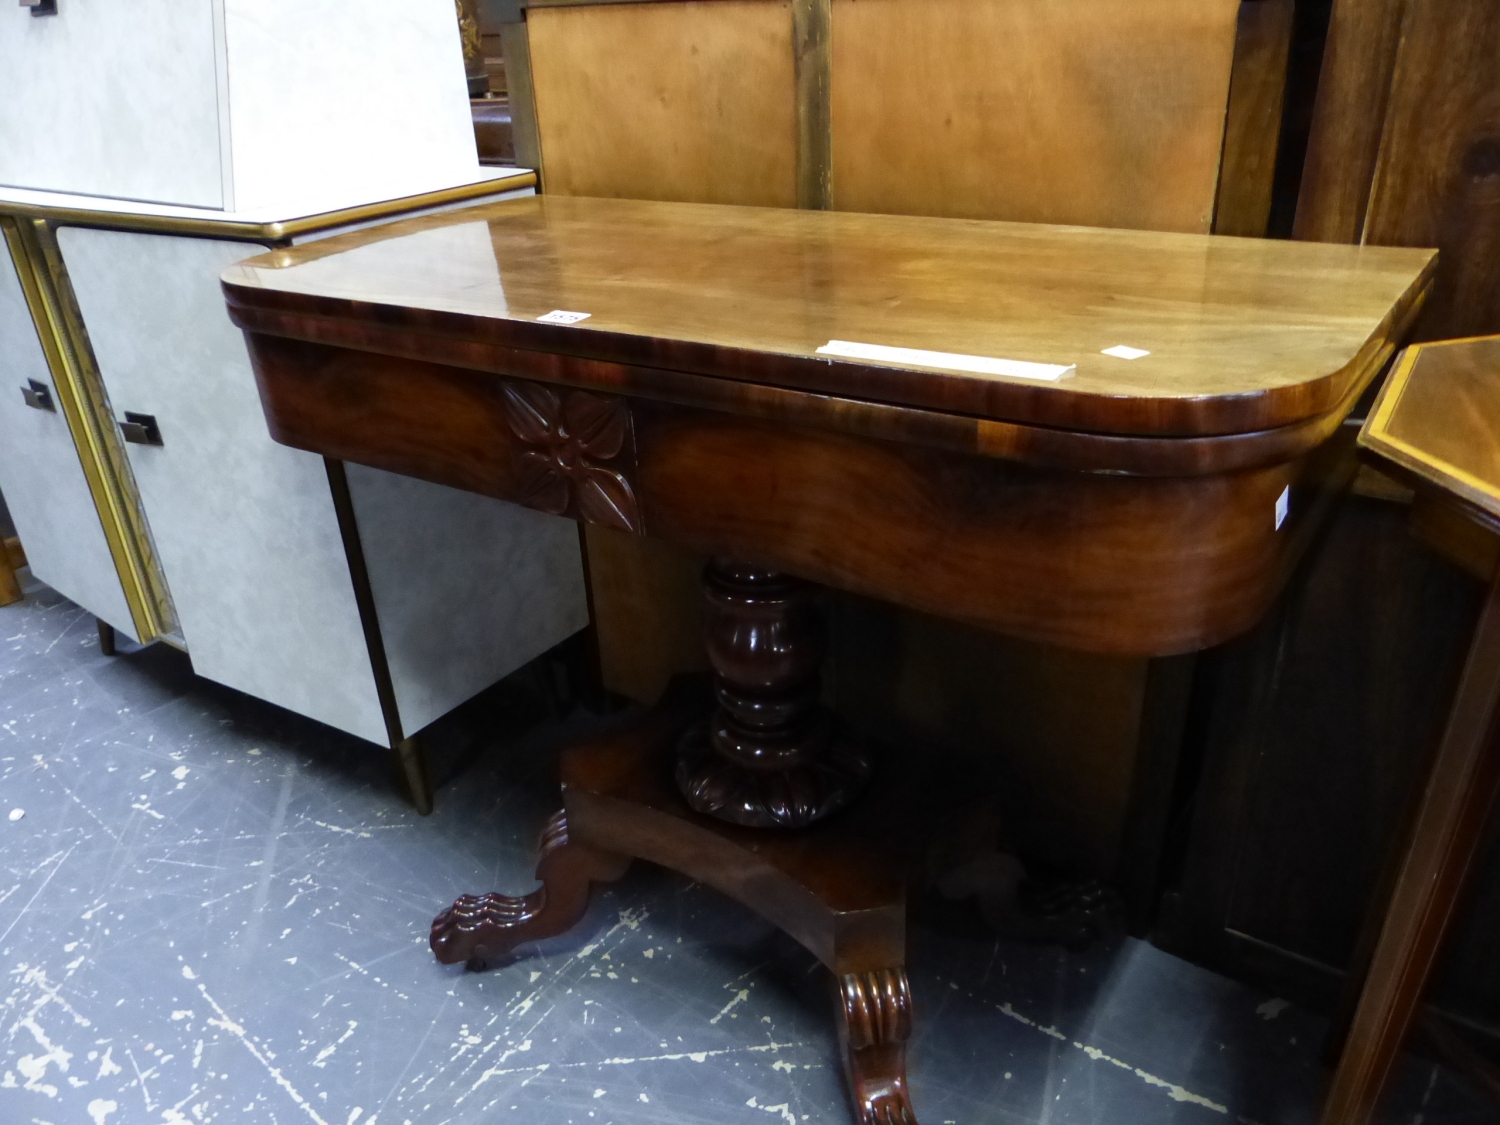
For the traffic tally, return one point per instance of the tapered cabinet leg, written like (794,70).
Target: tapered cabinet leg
(478,929)
(416,777)
(108,645)
(874,1025)
(1448,828)
(12,558)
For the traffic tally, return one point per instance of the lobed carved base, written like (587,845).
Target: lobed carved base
(790,797)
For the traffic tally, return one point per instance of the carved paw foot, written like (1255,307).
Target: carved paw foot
(1074,913)
(875,1022)
(480,929)
(1021,907)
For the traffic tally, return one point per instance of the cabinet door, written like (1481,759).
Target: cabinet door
(114,99)
(45,489)
(245,528)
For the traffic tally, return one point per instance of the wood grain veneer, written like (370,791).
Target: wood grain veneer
(1437,182)
(1435,418)
(682,100)
(664,421)
(1074,111)
(1363,39)
(1245,335)
(1405,149)
(1252,125)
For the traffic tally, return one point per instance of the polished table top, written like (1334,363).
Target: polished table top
(1242,334)
(1439,417)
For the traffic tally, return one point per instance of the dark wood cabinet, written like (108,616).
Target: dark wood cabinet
(1313,734)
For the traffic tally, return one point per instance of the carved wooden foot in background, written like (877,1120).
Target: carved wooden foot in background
(478,929)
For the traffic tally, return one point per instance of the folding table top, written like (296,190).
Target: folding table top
(1108,331)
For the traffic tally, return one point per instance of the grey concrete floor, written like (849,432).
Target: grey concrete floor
(214,911)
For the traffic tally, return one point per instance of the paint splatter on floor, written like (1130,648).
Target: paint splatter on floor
(214,911)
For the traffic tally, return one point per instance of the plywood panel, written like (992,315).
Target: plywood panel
(679,101)
(1093,112)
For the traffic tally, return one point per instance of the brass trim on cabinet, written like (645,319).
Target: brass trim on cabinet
(85,405)
(411,758)
(30,233)
(232,229)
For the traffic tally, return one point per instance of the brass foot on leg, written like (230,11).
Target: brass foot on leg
(411,759)
(107,643)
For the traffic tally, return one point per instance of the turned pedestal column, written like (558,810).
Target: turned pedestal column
(771,756)
(738,788)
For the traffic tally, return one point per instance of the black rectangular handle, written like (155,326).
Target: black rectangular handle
(41,7)
(140,429)
(38,395)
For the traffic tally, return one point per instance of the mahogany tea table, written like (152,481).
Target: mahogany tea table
(1101,439)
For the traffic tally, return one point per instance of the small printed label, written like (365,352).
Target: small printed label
(948,361)
(1283,506)
(1123,351)
(562,316)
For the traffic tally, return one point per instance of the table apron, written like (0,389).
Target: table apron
(1091,561)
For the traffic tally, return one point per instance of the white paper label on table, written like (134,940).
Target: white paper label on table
(562,316)
(1125,351)
(948,361)
(1283,506)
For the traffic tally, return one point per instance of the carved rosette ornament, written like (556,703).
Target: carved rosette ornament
(575,451)
(771,756)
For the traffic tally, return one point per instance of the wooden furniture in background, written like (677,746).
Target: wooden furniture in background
(1320,723)
(901,105)
(1145,507)
(493,135)
(1436,422)
(12,559)
(1405,148)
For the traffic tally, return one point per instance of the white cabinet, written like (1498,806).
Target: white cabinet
(466,589)
(41,474)
(145,146)
(237,105)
